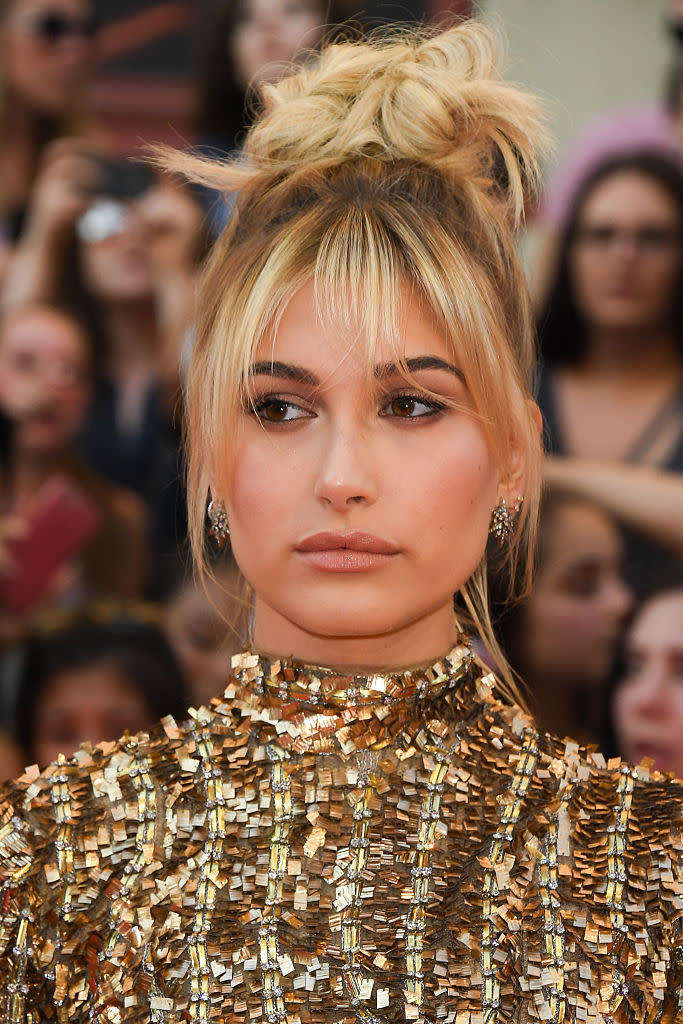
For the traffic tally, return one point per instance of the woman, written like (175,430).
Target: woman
(371,841)
(242,46)
(92,679)
(127,269)
(46,384)
(647,703)
(612,345)
(562,638)
(46,52)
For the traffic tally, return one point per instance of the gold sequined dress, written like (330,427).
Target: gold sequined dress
(315,848)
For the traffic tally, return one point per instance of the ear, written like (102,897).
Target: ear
(513,483)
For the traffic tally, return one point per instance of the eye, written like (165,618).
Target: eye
(411,407)
(272,409)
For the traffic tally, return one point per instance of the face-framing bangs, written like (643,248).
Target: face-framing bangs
(364,235)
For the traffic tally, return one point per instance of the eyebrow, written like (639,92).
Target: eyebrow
(382,370)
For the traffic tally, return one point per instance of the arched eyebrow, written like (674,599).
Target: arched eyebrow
(415,364)
(285,370)
(383,370)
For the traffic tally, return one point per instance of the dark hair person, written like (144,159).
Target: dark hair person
(611,337)
(92,680)
(366,825)
(562,638)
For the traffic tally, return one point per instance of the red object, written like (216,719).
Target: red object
(63,523)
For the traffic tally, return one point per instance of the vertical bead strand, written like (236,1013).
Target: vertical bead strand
(274,1006)
(617,879)
(205,899)
(144,839)
(521,780)
(350,891)
(420,877)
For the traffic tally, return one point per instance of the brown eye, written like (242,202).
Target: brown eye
(278,410)
(404,405)
(411,407)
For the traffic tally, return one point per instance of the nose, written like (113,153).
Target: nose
(650,693)
(620,598)
(345,478)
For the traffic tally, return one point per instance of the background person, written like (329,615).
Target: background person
(611,339)
(647,701)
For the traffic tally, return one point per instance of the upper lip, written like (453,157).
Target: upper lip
(353,540)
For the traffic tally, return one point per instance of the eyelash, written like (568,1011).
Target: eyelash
(258,406)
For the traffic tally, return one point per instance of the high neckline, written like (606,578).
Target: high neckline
(288,681)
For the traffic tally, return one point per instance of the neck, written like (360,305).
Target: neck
(634,354)
(418,643)
(132,336)
(30,472)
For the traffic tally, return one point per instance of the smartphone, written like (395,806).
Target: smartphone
(61,525)
(122,179)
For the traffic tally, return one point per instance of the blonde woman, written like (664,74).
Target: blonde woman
(388,838)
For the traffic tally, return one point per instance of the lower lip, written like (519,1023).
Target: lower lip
(345,560)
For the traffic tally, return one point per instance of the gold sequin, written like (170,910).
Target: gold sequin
(319,848)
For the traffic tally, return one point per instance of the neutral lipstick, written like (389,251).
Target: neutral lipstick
(346,552)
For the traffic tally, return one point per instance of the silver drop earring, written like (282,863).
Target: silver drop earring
(218,517)
(503,520)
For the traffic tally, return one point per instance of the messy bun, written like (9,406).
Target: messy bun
(394,163)
(435,99)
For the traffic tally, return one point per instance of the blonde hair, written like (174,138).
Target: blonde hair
(387,162)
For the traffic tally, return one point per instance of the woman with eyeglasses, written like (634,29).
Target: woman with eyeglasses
(611,337)
(366,827)
(46,52)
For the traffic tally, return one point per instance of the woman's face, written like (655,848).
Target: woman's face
(92,703)
(648,703)
(271,35)
(202,627)
(117,269)
(625,263)
(46,51)
(572,618)
(357,507)
(44,379)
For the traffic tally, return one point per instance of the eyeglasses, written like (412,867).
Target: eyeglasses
(55,26)
(648,238)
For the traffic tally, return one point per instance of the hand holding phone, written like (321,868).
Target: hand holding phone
(59,528)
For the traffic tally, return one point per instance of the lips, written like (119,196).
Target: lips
(351,541)
(351,552)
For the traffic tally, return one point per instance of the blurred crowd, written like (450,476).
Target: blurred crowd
(103,626)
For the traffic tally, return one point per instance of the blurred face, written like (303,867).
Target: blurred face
(87,704)
(579,600)
(44,379)
(46,50)
(202,627)
(271,35)
(626,260)
(357,507)
(116,265)
(648,704)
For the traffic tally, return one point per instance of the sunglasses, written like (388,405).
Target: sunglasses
(55,26)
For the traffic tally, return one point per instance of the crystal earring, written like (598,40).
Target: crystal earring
(218,517)
(503,520)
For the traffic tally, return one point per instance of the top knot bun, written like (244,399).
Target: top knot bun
(438,100)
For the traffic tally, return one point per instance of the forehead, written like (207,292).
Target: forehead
(660,623)
(328,342)
(629,195)
(579,533)
(42,333)
(31,7)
